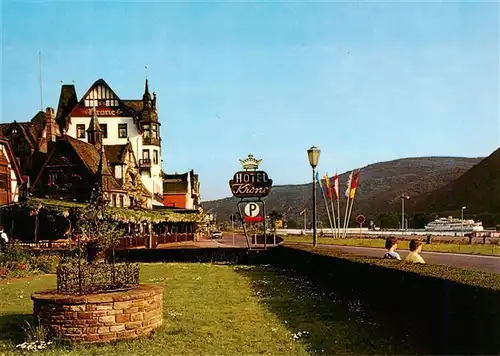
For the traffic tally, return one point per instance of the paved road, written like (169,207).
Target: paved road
(475,262)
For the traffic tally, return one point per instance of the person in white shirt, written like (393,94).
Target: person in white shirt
(391,244)
(4,239)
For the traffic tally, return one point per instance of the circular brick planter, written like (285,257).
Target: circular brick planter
(103,317)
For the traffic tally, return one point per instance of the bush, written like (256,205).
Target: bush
(17,262)
(46,263)
(96,277)
(446,310)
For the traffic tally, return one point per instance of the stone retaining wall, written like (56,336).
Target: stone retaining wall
(103,317)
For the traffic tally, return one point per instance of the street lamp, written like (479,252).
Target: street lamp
(313,155)
(462,218)
(403,198)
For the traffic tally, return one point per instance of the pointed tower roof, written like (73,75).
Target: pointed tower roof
(147,96)
(94,123)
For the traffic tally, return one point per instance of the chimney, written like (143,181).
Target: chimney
(51,128)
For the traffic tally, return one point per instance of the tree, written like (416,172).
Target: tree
(133,185)
(95,228)
(274,217)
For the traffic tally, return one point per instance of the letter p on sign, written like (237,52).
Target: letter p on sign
(252,209)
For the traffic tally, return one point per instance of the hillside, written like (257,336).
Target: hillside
(380,186)
(478,189)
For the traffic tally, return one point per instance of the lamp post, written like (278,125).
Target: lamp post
(313,156)
(403,198)
(462,219)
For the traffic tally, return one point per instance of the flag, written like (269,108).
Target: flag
(336,186)
(327,186)
(354,184)
(319,183)
(302,212)
(348,186)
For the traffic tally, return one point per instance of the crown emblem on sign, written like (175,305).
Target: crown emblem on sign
(250,163)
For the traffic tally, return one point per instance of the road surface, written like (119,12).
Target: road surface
(475,262)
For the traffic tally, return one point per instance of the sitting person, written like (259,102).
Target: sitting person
(391,244)
(414,255)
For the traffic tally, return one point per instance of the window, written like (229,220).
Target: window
(101,102)
(104,128)
(118,172)
(121,201)
(80,130)
(3,181)
(122,131)
(146,132)
(52,178)
(145,154)
(154,132)
(114,200)
(155,157)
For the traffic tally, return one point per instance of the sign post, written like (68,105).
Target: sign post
(233,218)
(360,219)
(251,186)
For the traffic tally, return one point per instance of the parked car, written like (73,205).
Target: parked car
(216,235)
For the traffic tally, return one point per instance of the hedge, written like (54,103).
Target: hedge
(205,255)
(443,310)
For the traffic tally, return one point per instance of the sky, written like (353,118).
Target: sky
(363,81)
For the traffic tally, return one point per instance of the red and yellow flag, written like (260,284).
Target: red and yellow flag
(336,186)
(354,184)
(327,186)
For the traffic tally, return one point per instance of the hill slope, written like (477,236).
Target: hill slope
(379,189)
(478,189)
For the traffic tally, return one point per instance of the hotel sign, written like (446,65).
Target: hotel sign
(250,183)
(100,111)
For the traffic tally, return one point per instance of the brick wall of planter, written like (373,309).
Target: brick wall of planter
(104,317)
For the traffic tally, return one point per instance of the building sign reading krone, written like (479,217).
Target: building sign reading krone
(250,183)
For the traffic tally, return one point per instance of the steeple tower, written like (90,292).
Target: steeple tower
(148,118)
(146,98)
(94,132)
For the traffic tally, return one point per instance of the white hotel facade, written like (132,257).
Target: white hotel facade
(123,122)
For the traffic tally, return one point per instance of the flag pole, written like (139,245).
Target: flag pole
(328,212)
(348,191)
(352,201)
(324,199)
(333,215)
(329,192)
(338,204)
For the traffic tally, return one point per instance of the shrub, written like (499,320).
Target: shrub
(17,262)
(96,277)
(45,263)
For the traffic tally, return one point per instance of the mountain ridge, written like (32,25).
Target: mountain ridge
(379,189)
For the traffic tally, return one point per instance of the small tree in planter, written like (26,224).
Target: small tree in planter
(96,230)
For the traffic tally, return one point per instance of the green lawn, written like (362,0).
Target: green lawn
(489,249)
(214,309)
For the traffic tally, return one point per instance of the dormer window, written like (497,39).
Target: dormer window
(14,131)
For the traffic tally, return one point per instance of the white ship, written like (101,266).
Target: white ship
(454,225)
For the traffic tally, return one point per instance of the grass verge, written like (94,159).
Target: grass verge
(475,249)
(223,310)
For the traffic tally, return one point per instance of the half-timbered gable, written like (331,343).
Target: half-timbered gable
(123,122)
(70,170)
(10,175)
